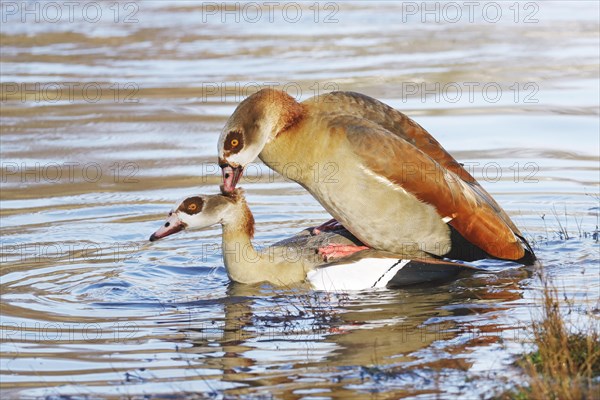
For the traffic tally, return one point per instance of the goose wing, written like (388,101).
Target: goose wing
(400,125)
(471,210)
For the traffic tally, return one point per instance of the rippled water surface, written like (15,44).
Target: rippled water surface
(105,124)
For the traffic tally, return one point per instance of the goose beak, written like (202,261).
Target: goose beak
(173,225)
(231,176)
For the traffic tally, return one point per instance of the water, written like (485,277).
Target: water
(124,120)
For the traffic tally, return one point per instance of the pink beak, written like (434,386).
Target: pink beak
(173,225)
(231,176)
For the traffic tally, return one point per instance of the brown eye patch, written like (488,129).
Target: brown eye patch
(192,205)
(234,142)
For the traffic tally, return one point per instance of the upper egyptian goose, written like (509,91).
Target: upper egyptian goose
(296,259)
(376,171)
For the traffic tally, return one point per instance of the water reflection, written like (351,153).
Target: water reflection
(90,308)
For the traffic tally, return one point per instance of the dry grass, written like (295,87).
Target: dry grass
(566,365)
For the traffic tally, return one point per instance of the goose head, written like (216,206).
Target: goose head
(202,211)
(255,122)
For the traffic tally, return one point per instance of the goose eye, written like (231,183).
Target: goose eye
(192,205)
(234,142)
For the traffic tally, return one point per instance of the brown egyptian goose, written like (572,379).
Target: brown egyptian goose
(296,259)
(376,171)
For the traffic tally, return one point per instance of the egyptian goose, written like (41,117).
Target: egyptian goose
(296,259)
(376,171)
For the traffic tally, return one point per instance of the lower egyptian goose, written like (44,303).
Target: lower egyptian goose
(296,259)
(376,171)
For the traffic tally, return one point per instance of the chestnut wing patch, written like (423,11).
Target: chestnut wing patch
(192,205)
(234,142)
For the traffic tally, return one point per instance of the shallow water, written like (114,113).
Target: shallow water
(124,121)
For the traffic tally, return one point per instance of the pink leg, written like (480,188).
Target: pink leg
(330,225)
(339,250)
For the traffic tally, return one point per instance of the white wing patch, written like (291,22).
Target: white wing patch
(383,180)
(359,275)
